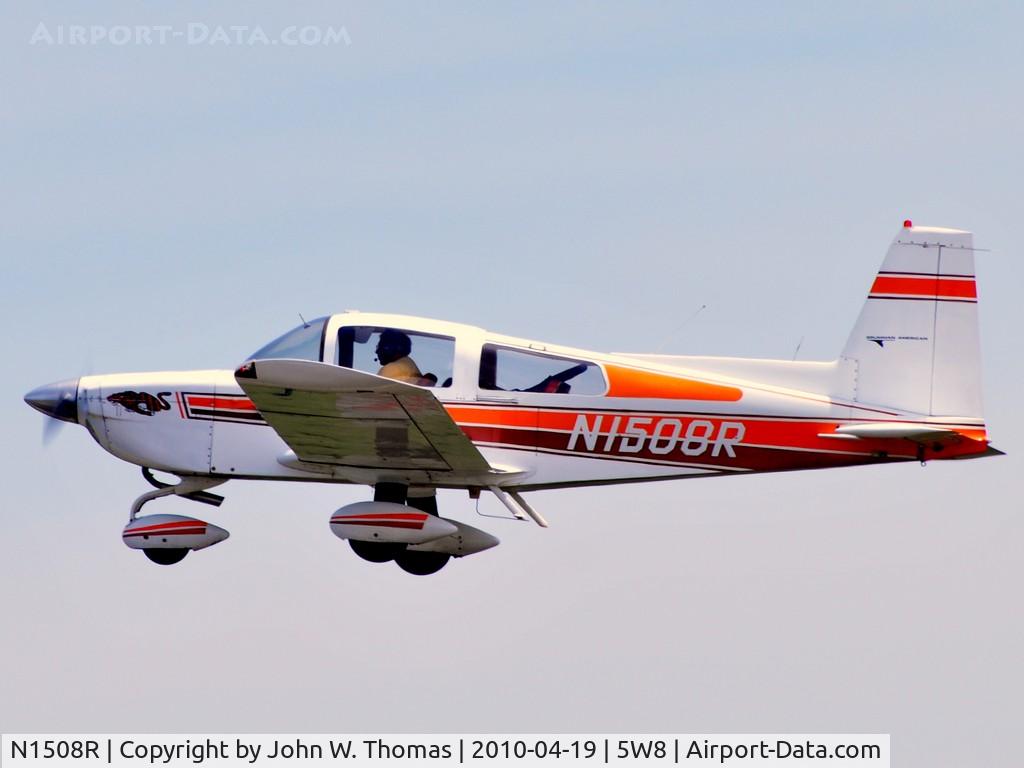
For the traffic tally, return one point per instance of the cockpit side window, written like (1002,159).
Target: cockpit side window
(424,359)
(303,343)
(519,370)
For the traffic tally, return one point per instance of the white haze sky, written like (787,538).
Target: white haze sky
(585,173)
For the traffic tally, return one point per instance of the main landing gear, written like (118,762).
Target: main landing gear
(411,561)
(398,525)
(404,526)
(166,556)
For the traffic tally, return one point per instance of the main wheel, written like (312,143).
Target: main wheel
(421,563)
(166,556)
(376,551)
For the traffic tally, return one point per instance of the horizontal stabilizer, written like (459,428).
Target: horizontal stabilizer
(989,451)
(892,430)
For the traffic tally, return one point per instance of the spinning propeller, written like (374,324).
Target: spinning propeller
(59,401)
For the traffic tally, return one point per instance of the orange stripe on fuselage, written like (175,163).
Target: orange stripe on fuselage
(925,286)
(221,403)
(630,382)
(497,417)
(775,433)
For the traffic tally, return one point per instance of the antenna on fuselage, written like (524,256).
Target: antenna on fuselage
(680,327)
(304,323)
(798,345)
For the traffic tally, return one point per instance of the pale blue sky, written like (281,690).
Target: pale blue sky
(585,173)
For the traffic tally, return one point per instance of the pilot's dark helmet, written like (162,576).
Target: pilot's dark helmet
(392,346)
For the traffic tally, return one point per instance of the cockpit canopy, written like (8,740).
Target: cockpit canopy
(430,353)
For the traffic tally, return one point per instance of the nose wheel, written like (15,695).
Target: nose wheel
(167,539)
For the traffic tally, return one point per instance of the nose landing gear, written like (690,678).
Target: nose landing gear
(167,539)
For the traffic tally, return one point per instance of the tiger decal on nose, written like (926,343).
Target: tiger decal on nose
(142,403)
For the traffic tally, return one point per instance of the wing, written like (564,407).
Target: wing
(332,415)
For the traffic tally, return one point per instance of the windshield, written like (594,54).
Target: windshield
(302,343)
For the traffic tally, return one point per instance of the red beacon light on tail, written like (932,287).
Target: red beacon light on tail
(907,223)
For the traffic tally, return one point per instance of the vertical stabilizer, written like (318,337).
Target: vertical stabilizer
(915,346)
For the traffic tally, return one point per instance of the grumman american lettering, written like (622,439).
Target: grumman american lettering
(408,405)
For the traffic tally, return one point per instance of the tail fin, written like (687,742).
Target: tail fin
(915,345)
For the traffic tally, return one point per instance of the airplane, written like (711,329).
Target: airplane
(411,405)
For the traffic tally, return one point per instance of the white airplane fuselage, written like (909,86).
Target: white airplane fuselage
(408,405)
(202,423)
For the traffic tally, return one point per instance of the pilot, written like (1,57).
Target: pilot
(393,350)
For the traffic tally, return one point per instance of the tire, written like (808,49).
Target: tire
(166,556)
(376,551)
(422,563)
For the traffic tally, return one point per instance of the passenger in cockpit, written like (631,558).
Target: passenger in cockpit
(393,350)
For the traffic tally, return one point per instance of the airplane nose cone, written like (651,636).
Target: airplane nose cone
(58,400)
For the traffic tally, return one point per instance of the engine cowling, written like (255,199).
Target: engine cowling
(387,522)
(171,532)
